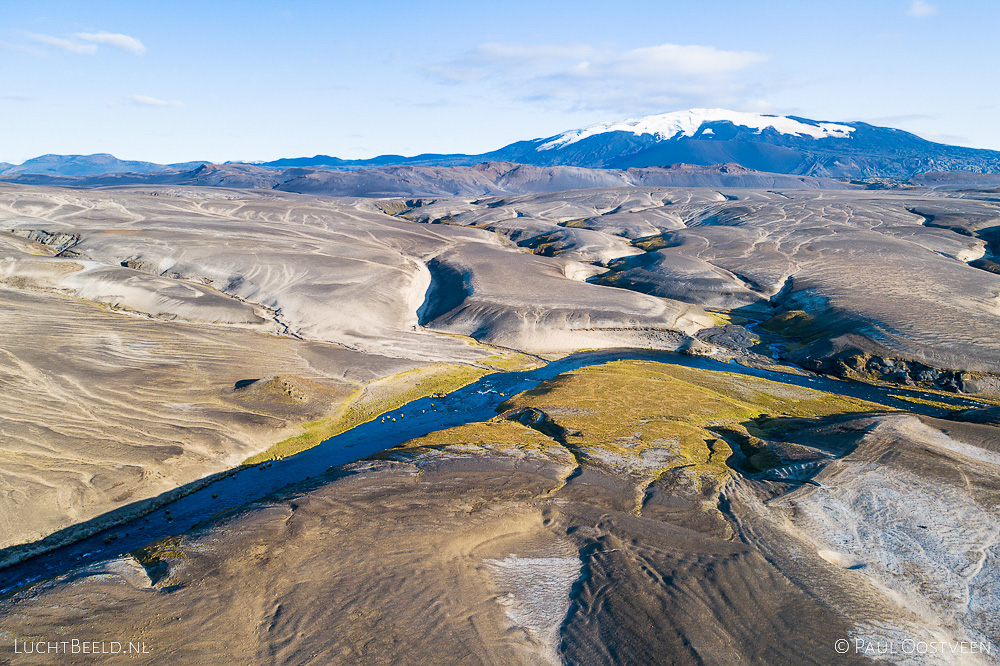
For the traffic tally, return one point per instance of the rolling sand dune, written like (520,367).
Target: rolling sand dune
(102,409)
(129,317)
(335,272)
(909,518)
(548,312)
(886,274)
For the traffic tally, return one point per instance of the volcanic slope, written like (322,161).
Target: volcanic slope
(899,286)
(408,181)
(616,514)
(769,143)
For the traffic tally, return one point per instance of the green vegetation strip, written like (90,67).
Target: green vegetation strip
(493,434)
(627,407)
(373,401)
(619,410)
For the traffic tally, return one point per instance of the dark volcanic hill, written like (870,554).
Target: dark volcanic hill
(440,181)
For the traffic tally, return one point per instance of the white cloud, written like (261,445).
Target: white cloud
(84,43)
(144,100)
(63,44)
(672,60)
(921,9)
(117,40)
(484,61)
(579,76)
(949,139)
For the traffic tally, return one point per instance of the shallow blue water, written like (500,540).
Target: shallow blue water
(476,402)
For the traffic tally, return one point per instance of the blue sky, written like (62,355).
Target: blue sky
(247,80)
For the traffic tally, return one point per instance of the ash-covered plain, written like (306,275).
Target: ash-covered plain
(834,477)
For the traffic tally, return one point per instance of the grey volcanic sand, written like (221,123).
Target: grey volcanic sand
(102,409)
(547,311)
(336,272)
(128,318)
(912,519)
(885,273)
(476,559)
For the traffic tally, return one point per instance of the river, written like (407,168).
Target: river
(475,402)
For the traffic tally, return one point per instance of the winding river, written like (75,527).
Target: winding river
(475,402)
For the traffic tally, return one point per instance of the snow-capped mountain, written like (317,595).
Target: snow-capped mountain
(771,143)
(778,144)
(666,126)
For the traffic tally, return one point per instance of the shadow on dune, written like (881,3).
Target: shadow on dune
(447,291)
(96,533)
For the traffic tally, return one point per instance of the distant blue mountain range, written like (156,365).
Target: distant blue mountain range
(766,143)
(88,165)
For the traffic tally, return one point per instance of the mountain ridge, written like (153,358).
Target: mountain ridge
(484,179)
(790,145)
(770,143)
(86,165)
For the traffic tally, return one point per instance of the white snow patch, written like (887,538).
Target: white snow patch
(686,123)
(536,595)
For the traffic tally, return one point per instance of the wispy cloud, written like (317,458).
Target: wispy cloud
(949,139)
(921,9)
(896,119)
(15,97)
(115,39)
(85,43)
(144,100)
(580,76)
(22,48)
(488,60)
(62,44)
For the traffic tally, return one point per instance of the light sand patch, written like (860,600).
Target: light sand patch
(928,546)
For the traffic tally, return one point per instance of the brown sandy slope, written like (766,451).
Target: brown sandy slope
(906,276)
(128,318)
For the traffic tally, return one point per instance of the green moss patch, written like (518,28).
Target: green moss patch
(492,434)
(156,557)
(373,401)
(651,243)
(792,324)
(630,407)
